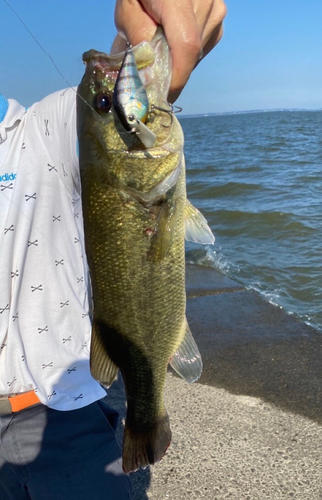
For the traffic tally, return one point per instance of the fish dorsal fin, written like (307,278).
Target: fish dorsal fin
(102,367)
(187,361)
(197,229)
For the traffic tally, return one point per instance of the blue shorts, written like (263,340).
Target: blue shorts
(58,455)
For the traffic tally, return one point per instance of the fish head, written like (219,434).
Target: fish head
(106,135)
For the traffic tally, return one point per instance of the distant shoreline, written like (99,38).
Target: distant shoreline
(251,111)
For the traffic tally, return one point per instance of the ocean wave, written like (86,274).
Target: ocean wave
(229,189)
(207,256)
(261,224)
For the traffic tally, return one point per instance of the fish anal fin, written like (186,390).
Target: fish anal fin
(197,229)
(146,446)
(187,361)
(103,369)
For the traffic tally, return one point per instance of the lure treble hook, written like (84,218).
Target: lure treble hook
(170,111)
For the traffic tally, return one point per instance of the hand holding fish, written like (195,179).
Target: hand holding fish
(192,29)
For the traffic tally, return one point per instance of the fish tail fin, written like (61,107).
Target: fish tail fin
(145,447)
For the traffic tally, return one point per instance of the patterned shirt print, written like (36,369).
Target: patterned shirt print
(45,290)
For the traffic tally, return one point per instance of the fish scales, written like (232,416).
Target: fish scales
(134,220)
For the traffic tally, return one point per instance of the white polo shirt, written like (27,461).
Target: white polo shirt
(45,326)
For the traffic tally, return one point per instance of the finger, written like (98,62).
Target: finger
(212,30)
(192,28)
(184,38)
(133,22)
(209,16)
(212,41)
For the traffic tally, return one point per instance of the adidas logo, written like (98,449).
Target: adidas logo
(8,177)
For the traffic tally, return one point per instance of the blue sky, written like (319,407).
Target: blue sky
(269,57)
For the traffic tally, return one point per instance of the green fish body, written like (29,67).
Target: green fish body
(135,208)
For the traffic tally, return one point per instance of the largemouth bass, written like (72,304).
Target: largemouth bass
(135,217)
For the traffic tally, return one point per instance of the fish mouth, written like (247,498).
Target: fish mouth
(143,52)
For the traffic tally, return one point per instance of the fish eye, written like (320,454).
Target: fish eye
(103,102)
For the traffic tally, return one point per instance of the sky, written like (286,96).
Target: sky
(269,57)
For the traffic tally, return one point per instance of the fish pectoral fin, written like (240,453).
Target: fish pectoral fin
(103,369)
(197,229)
(166,225)
(187,361)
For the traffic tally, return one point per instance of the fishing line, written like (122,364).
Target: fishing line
(48,55)
(153,107)
(39,45)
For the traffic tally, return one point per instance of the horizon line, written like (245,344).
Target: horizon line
(249,111)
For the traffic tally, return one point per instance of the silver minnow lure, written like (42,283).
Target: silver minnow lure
(130,100)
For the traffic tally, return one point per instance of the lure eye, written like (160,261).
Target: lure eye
(103,102)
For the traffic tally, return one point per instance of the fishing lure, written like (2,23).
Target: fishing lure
(130,100)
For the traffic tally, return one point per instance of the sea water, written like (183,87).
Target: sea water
(257,178)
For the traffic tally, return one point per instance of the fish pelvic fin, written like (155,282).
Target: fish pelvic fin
(145,446)
(103,369)
(197,229)
(187,361)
